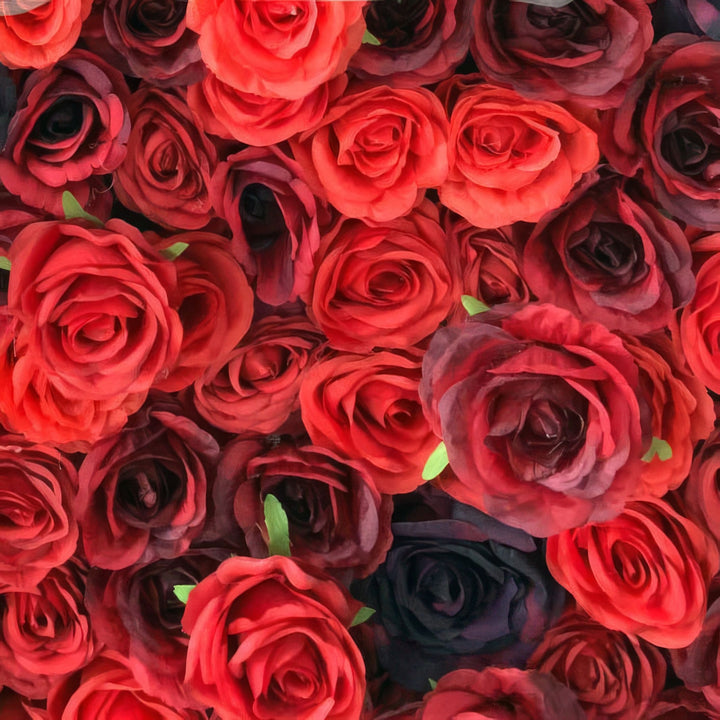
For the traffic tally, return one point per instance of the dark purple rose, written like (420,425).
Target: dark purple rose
(458,589)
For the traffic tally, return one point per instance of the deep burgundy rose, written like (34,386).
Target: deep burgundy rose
(615,676)
(337,519)
(667,128)
(645,572)
(584,51)
(367,408)
(420,42)
(136,613)
(71,128)
(458,589)
(273,215)
(681,704)
(554,402)
(610,255)
(514,693)
(269,639)
(386,284)
(46,631)
(169,162)
(142,492)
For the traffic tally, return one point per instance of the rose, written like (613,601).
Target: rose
(419,43)
(553,403)
(268,638)
(167,170)
(384,284)
(46,631)
(376,165)
(136,613)
(681,704)
(38,531)
(700,491)
(366,407)
(515,693)
(510,158)
(273,216)
(40,36)
(585,52)
(70,128)
(291,49)
(614,676)
(458,589)
(645,572)
(337,519)
(610,255)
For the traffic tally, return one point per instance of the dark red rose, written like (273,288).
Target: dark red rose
(701,492)
(419,42)
(337,519)
(71,127)
(268,638)
(580,51)
(610,255)
(169,162)
(615,676)
(46,631)
(681,704)
(17,707)
(273,215)
(645,572)
(384,284)
(367,408)
(142,492)
(514,693)
(256,388)
(554,402)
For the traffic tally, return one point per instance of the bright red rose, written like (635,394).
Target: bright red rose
(367,408)
(285,50)
(376,164)
(553,401)
(645,572)
(269,639)
(42,35)
(384,284)
(511,158)
(169,162)
(470,694)
(71,127)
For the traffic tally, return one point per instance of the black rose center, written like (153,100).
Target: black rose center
(62,120)
(395,22)
(156,18)
(144,492)
(262,220)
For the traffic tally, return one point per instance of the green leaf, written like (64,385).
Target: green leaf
(73,210)
(276,522)
(363,614)
(658,447)
(433,683)
(370,39)
(175,250)
(4,263)
(436,463)
(473,306)
(182,592)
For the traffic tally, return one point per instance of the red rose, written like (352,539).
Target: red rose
(680,704)
(511,158)
(384,284)
(376,164)
(553,401)
(288,50)
(645,572)
(70,128)
(169,162)
(515,693)
(367,407)
(269,639)
(701,492)
(42,35)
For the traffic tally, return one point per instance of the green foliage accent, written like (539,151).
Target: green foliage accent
(658,447)
(363,614)
(436,463)
(473,306)
(175,250)
(73,210)
(4,263)
(276,522)
(182,592)
(370,39)
(432,683)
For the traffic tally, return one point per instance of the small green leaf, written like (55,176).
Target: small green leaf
(175,250)
(433,683)
(436,463)
(473,306)
(370,39)
(658,447)
(4,263)
(276,522)
(73,210)
(182,592)
(363,614)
